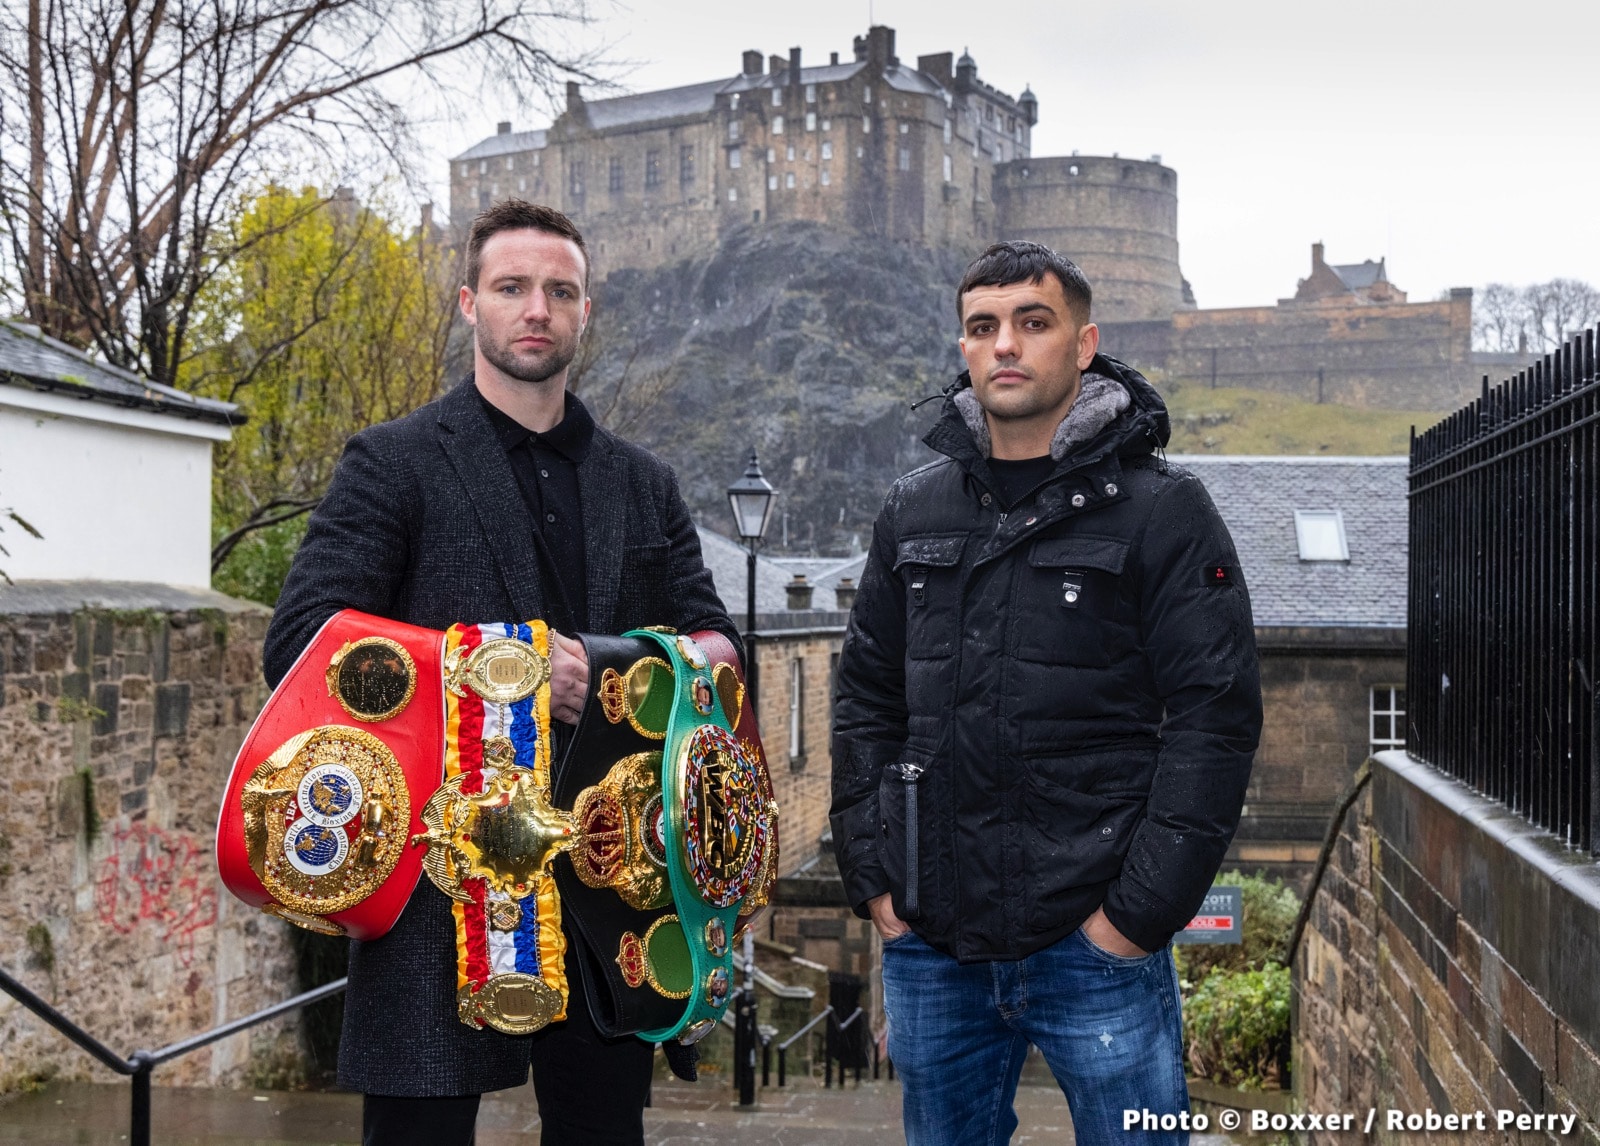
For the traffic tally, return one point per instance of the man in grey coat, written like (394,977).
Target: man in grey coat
(501,501)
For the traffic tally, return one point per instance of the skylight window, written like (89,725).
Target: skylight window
(1320,533)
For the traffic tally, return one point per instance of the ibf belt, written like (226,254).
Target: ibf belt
(492,830)
(329,782)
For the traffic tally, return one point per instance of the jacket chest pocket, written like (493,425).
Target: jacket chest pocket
(1069,598)
(930,568)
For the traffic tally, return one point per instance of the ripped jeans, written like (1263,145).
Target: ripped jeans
(1108,1026)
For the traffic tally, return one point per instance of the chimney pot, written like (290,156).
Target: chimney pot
(574,94)
(794,65)
(1316,255)
(752,63)
(833,58)
(503,127)
(799,591)
(845,594)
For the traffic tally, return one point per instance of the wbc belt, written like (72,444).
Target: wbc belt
(654,834)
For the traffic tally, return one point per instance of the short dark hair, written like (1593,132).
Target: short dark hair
(1016,261)
(519,215)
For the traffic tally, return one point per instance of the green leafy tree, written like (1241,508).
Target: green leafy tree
(336,317)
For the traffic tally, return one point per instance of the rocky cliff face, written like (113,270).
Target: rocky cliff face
(805,343)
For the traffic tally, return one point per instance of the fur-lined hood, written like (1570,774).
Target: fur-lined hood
(1117,410)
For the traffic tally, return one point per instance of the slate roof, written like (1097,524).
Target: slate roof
(1359,276)
(34,360)
(728,562)
(646,107)
(1257,497)
(505,143)
(823,74)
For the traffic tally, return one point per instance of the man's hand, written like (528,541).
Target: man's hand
(889,925)
(569,677)
(1104,935)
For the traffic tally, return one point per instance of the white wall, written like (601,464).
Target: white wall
(120,495)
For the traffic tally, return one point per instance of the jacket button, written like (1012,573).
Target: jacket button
(1077,501)
(985,499)
(1111,489)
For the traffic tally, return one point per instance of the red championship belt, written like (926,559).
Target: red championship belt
(330,784)
(727,673)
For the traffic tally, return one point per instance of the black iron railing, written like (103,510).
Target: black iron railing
(1505,591)
(833,1051)
(141,1063)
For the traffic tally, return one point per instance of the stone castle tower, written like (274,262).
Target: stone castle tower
(930,155)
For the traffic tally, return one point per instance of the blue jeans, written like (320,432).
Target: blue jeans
(1109,1027)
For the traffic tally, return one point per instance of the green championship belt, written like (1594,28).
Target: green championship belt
(717,827)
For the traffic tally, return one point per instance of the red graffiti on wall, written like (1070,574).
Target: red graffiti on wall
(156,876)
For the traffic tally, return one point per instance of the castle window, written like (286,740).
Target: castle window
(777,97)
(772,155)
(988,113)
(905,128)
(494,190)
(788,153)
(483,167)
(733,194)
(826,177)
(905,159)
(575,178)
(811,93)
(827,149)
(866,125)
(860,151)
(652,169)
(866,94)
(949,169)
(614,174)
(522,184)
(777,125)
(734,159)
(827,125)
(811,121)
(733,131)
(484,202)
(686,164)
(949,130)
(772,182)
(788,180)
(466,169)
(1011,123)
(536,158)
(1019,134)
(511,163)
(733,102)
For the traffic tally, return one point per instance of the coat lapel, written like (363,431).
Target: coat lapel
(469,442)
(602,489)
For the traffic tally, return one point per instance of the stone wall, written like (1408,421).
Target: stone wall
(1448,966)
(1399,356)
(118,725)
(1316,690)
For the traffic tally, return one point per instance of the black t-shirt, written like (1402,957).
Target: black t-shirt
(1017,478)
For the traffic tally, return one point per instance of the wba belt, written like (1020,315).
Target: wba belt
(650,837)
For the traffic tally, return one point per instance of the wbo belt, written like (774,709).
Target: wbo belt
(647,840)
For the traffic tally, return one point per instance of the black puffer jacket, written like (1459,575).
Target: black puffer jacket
(1064,697)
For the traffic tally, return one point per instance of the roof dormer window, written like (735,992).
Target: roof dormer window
(1320,534)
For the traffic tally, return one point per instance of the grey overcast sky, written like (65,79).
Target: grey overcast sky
(1458,139)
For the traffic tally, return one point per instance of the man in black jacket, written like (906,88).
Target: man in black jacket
(502,501)
(1048,702)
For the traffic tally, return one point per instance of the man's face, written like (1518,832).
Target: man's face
(530,306)
(1024,349)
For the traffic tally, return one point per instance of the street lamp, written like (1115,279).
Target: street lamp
(751,499)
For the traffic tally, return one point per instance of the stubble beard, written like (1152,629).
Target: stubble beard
(540,368)
(1014,406)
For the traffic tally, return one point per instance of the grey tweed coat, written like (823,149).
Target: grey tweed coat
(424,523)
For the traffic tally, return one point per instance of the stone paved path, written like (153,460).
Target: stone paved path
(90,1114)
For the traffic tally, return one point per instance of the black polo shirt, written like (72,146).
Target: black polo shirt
(546,467)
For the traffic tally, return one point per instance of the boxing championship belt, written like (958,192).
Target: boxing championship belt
(328,785)
(655,957)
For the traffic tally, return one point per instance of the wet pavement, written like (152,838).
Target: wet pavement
(706,1114)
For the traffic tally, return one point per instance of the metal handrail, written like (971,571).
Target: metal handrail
(794,1038)
(139,1064)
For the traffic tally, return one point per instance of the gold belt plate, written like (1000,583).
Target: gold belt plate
(512,1003)
(620,842)
(506,835)
(501,671)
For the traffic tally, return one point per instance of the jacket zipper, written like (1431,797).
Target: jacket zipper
(910,773)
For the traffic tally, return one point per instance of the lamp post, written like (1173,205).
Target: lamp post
(750,498)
